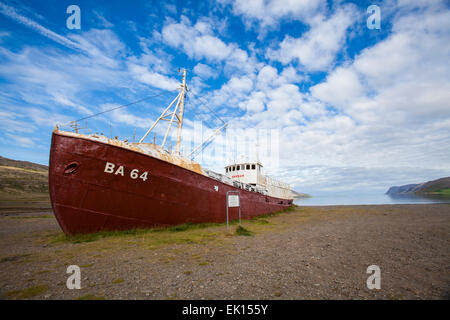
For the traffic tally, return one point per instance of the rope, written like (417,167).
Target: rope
(122,106)
(215,114)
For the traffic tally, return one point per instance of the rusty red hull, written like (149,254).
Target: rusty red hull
(87,199)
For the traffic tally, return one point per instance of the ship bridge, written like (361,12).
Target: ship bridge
(249,174)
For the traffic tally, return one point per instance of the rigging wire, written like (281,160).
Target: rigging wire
(122,106)
(203,103)
(198,115)
(203,118)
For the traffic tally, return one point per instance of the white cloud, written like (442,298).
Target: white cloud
(14,122)
(103,21)
(205,71)
(274,92)
(379,120)
(341,88)
(196,40)
(284,98)
(317,48)
(153,78)
(125,117)
(255,103)
(268,13)
(402,79)
(12,13)
(22,141)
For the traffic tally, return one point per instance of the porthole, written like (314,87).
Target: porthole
(71,168)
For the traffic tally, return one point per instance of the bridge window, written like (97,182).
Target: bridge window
(253,167)
(237,167)
(248,167)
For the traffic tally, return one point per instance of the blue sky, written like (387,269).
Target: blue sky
(355,108)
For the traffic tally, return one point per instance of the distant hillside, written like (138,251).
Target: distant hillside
(300,195)
(439,186)
(21,164)
(22,180)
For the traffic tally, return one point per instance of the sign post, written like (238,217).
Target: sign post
(233,201)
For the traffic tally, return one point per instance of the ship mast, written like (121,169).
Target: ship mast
(180,114)
(171,116)
(177,115)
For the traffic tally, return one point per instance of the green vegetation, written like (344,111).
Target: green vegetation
(191,226)
(184,233)
(23,184)
(118,281)
(443,192)
(241,231)
(20,181)
(11,294)
(89,237)
(14,258)
(44,216)
(28,292)
(87,265)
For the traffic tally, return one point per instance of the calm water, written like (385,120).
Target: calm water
(353,199)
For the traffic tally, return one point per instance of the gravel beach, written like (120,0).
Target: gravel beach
(308,253)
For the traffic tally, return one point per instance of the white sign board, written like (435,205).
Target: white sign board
(233,200)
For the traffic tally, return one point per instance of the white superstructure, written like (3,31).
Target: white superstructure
(250,174)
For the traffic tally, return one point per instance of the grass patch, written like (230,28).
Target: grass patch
(87,265)
(32,291)
(181,234)
(43,271)
(203,263)
(442,192)
(91,237)
(241,231)
(118,281)
(14,258)
(272,214)
(194,226)
(90,297)
(11,294)
(45,216)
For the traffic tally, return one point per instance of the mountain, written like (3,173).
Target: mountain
(439,186)
(22,181)
(22,164)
